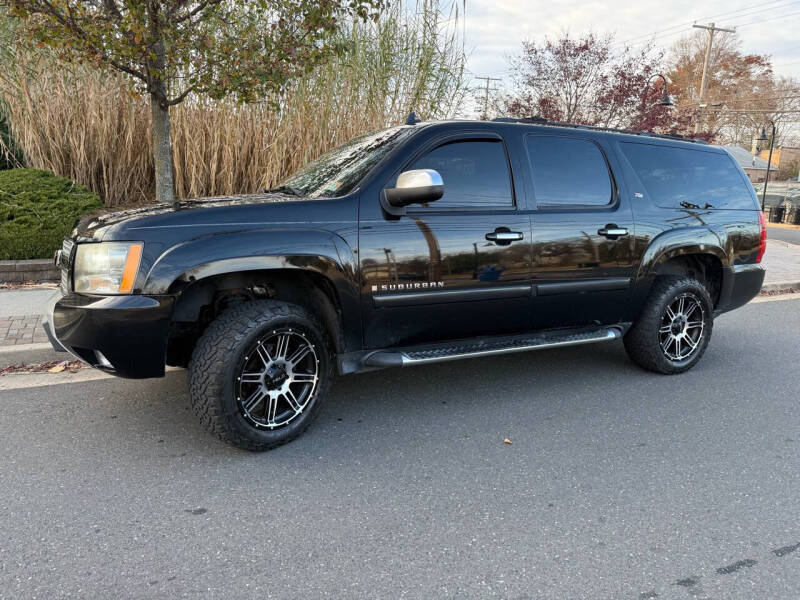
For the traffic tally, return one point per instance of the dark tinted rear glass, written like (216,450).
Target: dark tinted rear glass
(687,178)
(475,173)
(568,172)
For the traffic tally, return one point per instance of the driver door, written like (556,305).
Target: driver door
(458,267)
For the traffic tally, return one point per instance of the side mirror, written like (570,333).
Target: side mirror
(418,186)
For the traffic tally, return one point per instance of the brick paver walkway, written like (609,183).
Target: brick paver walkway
(18,330)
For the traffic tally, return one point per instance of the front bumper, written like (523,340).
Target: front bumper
(740,284)
(122,335)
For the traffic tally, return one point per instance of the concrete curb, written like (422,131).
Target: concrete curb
(29,354)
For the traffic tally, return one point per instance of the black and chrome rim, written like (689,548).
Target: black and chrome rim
(682,327)
(277,378)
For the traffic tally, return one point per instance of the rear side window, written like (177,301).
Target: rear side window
(687,178)
(568,172)
(475,174)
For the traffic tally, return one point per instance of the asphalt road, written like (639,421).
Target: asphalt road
(618,484)
(787,235)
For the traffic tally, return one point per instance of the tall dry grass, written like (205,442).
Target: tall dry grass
(88,126)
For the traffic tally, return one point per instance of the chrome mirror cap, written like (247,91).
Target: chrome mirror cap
(418,178)
(418,186)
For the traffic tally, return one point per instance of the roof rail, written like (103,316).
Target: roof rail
(543,121)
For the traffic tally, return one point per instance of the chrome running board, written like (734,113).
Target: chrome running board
(421,355)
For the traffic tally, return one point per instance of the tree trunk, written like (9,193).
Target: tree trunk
(162,151)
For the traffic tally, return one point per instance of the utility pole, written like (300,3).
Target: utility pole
(704,79)
(486,94)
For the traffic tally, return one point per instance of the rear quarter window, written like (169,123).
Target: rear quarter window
(688,178)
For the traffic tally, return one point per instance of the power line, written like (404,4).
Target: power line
(765,112)
(756,10)
(755,99)
(770,19)
(746,12)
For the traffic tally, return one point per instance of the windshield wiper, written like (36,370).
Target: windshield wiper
(285,189)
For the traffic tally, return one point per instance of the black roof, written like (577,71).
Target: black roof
(542,121)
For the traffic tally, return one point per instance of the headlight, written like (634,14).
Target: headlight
(107,267)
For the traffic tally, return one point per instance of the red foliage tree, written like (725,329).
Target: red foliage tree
(586,80)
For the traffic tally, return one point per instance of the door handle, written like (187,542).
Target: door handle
(504,236)
(612,231)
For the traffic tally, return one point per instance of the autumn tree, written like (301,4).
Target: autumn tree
(588,80)
(742,90)
(171,49)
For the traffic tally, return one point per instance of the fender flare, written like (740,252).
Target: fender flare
(313,250)
(680,242)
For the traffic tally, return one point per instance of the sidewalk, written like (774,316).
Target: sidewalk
(21,315)
(21,309)
(782,262)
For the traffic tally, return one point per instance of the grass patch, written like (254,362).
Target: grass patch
(37,211)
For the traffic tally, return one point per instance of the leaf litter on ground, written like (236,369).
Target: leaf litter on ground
(53,366)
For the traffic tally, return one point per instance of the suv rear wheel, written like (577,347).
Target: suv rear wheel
(259,374)
(674,328)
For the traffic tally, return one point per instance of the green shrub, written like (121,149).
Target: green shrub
(37,210)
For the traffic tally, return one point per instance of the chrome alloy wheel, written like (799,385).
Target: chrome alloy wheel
(682,326)
(277,378)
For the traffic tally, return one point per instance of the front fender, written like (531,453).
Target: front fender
(314,250)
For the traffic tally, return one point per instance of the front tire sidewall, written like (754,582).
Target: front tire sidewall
(218,356)
(271,437)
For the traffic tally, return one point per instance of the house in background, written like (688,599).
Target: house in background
(784,158)
(754,166)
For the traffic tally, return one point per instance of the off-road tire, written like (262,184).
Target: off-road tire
(212,371)
(642,341)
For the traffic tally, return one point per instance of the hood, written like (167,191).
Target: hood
(217,210)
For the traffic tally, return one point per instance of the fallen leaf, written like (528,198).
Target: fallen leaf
(58,368)
(507,441)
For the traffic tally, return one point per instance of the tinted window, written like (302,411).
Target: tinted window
(681,177)
(475,173)
(568,171)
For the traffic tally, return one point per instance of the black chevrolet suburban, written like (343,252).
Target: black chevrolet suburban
(420,243)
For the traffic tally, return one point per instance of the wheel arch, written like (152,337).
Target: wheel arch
(693,251)
(314,269)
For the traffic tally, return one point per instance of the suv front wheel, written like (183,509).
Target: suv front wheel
(674,328)
(259,374)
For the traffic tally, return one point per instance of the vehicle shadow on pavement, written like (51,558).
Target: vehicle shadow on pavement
(367,408)
(385,412)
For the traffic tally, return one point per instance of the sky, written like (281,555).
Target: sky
(495,30)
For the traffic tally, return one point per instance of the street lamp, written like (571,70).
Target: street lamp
(666,99)
(763,138)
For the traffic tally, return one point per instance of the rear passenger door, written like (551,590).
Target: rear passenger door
(583,231)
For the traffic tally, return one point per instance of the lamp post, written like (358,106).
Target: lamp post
(666,99)
(763,138)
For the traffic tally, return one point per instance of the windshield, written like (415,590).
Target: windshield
(339,171)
